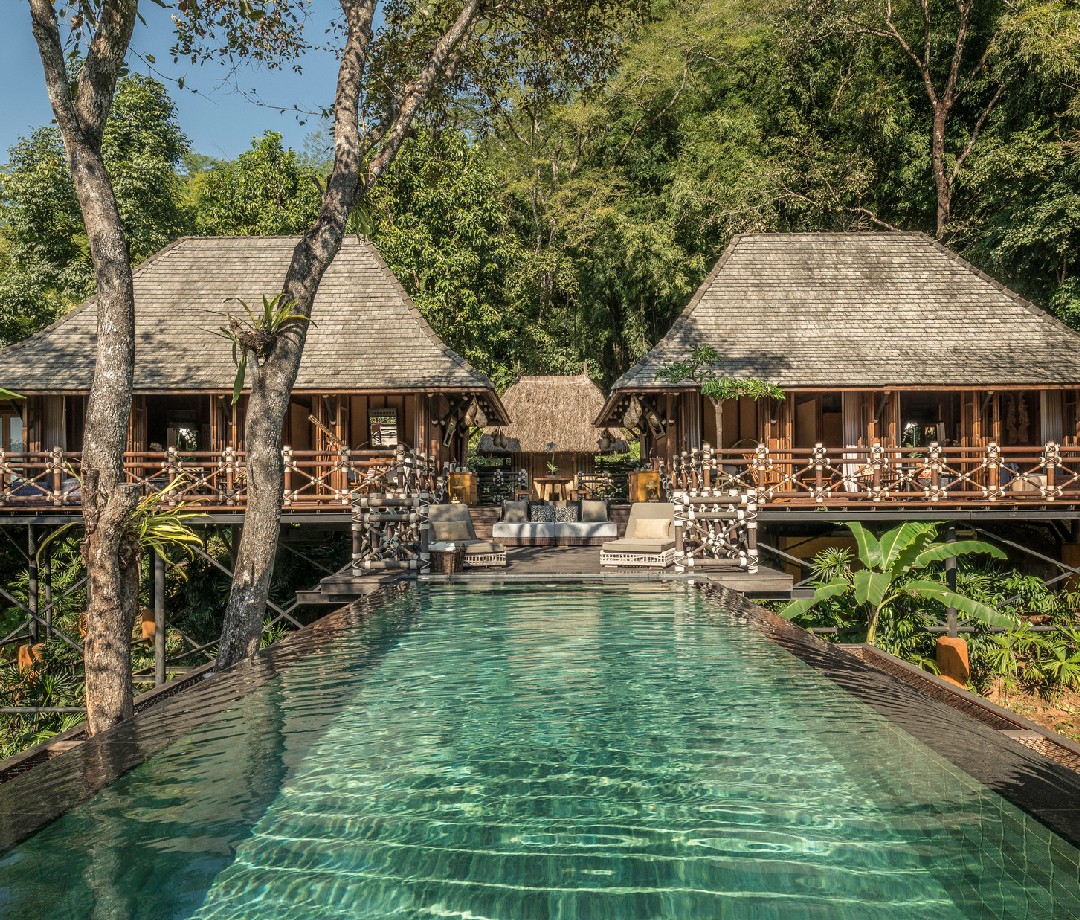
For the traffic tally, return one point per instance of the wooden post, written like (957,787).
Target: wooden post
(32,581)
(46,571)
(950,579)
(159,619)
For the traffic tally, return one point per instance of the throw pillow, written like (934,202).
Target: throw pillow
(594,511)
(515,512)
(653,529)
(566,514)
(541,514)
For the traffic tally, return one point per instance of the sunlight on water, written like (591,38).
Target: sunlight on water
(568,753)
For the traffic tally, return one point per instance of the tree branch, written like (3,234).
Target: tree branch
(891,32)
(949,95)
(443,59)
(977,130)
(51,50)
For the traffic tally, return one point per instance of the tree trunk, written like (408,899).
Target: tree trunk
(110,558)
(272,380)
(112,564)
(941,177)
(107,502)
(254,563)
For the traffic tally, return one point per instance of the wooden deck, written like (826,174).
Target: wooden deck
(563,564)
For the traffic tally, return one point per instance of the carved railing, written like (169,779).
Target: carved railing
(390,533)
(931,475)
(217,480)
(715,525)
(817,477)
(390,524)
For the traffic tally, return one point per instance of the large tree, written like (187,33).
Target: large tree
(967,57)
(83,45)
(447,50)
(81,104)
(361,153)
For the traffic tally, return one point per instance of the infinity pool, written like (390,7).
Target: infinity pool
(570,753)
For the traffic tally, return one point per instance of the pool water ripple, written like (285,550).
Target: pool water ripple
(565,754)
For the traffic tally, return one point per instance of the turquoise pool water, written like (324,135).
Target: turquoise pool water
(545,752)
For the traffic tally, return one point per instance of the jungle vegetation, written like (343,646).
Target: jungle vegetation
(538,227)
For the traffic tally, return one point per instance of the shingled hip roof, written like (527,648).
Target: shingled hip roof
(546,410)
(823,310)
(367,334)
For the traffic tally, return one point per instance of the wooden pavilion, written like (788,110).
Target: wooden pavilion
(374,378)
(910,377)
(551,422)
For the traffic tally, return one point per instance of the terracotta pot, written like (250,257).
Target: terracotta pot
(952,660)
(146,619)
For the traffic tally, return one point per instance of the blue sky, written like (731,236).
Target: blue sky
(219,120)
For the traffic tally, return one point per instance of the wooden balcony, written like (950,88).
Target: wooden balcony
(819,478)
(924,478)
(212,481)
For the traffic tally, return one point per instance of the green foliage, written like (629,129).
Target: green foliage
(265,191)
(44,253)
(439,221)
(1018,659)
(893,569)
(159,529)
(700,369)
(55,680)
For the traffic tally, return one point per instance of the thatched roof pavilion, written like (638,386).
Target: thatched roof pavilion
(546,410)
(374,374)
(872,336)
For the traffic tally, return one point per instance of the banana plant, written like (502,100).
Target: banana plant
(891,570)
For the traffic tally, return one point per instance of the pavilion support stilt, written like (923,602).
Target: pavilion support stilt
(32,593)
(46,575)
(159,619)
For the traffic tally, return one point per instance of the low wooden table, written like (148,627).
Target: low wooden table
(549,485)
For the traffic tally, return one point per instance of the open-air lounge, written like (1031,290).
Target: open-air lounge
(910,379)
(375,380)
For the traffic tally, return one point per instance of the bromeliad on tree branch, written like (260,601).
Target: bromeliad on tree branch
(258,334)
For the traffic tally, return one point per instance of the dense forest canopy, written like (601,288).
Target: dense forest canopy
(567,214)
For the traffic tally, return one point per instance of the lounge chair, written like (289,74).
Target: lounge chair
(453,524)
(649,538)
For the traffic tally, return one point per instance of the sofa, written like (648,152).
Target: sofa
(569,523)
